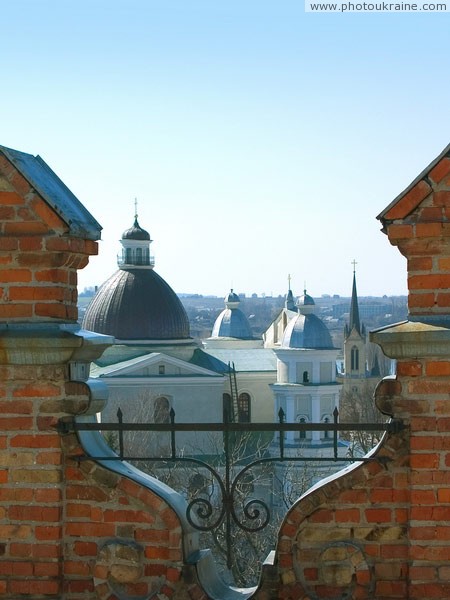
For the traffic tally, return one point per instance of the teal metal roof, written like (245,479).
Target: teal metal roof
(97,371)
(245,360)
(120,353)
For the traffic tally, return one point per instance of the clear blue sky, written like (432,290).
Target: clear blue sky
(260,140)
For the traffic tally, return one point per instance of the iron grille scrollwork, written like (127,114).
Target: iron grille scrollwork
(248,514)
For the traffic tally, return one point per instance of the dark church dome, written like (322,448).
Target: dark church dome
(137,304)
(136,232)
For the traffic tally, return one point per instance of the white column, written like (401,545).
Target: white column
(290,417)
(315,414)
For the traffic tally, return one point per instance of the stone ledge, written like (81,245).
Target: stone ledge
(414,339)
(49,343)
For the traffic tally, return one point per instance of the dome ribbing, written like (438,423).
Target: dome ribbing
(137,304)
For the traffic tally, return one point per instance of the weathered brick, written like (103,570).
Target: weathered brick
(94,530)
(36,390)
(10,198)
(424,461)
(429,282)
(47,440)
(441,198)
(34,513)
(420,263)
(378,515)
(23,293)
(409,201)
(16,311)
(440,170)
(409,369)
(51,310)
(86,548)
(23,407)
(431,213)
(48,215)
(427,230)
(26,228)
(437,368)
(443,300)
(52,275)
(400,232)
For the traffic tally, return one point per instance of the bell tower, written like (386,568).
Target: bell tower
(354,339)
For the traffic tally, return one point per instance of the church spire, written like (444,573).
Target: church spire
(290,302)
(354,308)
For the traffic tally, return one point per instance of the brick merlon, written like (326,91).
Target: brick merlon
(417,190)
(54,192)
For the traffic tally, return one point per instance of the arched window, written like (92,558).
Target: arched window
(305,377)
(139,256)
(128,256)
(302,419)
(354,356)
(161,410)
(244,408)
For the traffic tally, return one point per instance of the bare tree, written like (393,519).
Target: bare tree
(358,406)
(260,493)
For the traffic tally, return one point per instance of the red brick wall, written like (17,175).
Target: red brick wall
(38,257)
(31,477)
(419,225)
(120,538)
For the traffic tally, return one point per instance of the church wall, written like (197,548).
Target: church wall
(257,385)
(137,403)
(303,372)
(282,372)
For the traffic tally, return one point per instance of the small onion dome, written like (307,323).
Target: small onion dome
(232,323)
(136,233)
(306,304)
(232,300)
(307,331)
(137,304)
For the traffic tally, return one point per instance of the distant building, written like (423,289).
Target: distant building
(231,328)
(155,365)
(364,363)
(306,387)
(148,369)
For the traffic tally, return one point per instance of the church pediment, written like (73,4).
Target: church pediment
(152,365)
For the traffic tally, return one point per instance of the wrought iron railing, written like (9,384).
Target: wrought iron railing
(253,514)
